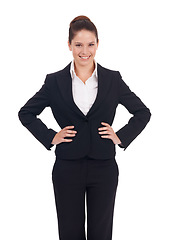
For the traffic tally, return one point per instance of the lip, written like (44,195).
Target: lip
(85,57)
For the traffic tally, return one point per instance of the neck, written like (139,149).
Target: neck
(85,71)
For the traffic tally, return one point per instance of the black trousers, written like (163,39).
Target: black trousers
(72,181)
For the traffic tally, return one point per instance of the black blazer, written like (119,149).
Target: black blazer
(57,94)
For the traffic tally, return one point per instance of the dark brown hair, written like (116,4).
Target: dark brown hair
(79,23)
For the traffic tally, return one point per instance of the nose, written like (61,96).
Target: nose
(84,50)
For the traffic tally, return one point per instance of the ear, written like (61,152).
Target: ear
(69,45)
(97,43)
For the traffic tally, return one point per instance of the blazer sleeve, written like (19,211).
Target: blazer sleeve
(29,112)
(141,114)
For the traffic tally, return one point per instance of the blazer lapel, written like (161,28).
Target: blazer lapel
(104,83)
(65,86)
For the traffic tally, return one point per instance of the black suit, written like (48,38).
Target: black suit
(87,164)
(57,93)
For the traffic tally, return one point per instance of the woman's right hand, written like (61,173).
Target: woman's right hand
(65,132)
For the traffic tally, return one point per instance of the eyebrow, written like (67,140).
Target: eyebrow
(89,42)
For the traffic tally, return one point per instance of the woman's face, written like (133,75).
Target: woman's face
(83,47)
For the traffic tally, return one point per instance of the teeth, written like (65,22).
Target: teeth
(84,57)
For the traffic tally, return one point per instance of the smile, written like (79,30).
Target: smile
(85,58)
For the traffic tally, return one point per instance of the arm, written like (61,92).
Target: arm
(28,116)
(141,114)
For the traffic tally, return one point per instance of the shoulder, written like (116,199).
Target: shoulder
(53,77)
(60,72)
(108,72)
(105,70)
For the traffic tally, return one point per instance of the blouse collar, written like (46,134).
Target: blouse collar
(73,74)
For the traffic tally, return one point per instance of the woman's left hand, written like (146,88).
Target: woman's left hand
(108,130)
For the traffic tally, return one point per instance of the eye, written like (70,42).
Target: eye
(91,44)
(78,45)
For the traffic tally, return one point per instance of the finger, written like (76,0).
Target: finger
(103,128)
(70,131)
(105,132)
(70,135)
(67,127)
(65,134)
(106,124)
(67,140)
(106,136)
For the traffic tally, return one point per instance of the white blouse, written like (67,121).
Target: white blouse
(84,94)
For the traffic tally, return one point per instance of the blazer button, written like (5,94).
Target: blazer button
(86,120)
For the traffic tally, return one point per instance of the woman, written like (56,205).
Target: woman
(83,98)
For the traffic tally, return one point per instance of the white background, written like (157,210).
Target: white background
(133,40)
